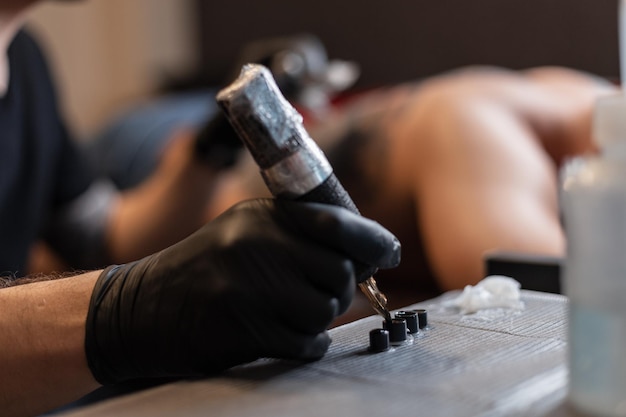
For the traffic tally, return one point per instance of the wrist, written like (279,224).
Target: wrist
(42,335)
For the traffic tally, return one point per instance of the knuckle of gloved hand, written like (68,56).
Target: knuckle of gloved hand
(377,246)
(307,314)
(338,275)
(317,217)
(255,211)
(345,299)
(346,268)
(317,347)
(318,320)
(365,239)
(309,347)
(255,204)
(385,251)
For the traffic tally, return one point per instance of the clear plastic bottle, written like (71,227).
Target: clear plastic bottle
(594,212)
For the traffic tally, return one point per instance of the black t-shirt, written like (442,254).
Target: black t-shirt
(40,167)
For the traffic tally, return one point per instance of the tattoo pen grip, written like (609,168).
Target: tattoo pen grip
(332,192)
(292,165)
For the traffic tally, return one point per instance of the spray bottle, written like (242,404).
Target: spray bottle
(594,213)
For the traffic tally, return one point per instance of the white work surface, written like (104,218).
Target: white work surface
(492,363)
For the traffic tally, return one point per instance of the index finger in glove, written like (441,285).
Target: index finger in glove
(360,238)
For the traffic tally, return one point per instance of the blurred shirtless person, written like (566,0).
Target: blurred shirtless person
(455,166)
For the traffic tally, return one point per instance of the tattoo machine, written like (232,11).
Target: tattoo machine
(291,163)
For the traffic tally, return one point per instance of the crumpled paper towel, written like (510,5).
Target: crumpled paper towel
(495,291)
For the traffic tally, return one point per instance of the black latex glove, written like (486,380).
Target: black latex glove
(265,279)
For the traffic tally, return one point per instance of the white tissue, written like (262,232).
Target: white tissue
(495,291)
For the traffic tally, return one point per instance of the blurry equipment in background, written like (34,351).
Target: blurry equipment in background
(414,39)
(301,69)
(304,75)
(533,271)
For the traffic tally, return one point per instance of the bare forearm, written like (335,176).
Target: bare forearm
(42,331)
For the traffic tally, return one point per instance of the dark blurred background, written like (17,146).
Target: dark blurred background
(399,40)
(110,54)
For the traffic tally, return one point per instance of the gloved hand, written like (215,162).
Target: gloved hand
(265,279)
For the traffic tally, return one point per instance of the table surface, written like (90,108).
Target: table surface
(493,363)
